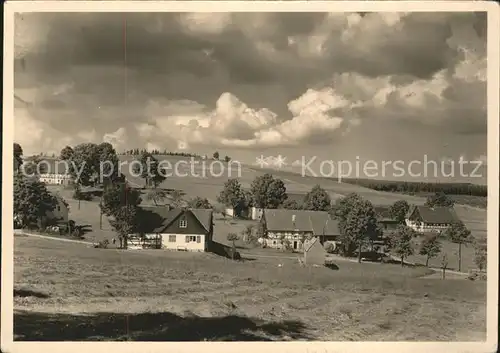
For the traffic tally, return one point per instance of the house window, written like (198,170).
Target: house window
(190,238)
(183,223)
(198,239)
(172,238)
(58,208)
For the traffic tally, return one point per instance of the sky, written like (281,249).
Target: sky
(336,86)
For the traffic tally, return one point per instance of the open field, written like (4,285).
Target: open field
(194,184)
(69,291)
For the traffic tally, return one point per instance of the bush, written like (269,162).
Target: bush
(329,247)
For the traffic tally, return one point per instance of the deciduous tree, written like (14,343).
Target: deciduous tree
(156,195)
(398,211)
(233,237)
(66,153)
(430,247)
(125,222)
(198,202)
(232,195)
(439,199)
(150,170)
(268,192)
(32,201)
(317,200)
(480,254)
(116,196)
(291,205)
(18,156)
(401,242)
(459,234)
(357,223)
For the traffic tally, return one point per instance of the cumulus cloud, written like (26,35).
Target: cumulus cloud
(246,80)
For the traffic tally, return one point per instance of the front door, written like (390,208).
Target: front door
(295,245)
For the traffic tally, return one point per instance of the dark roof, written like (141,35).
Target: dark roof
(166,216)
(305,221)
(299,198)
(50,165)
(382,212)
(435,215)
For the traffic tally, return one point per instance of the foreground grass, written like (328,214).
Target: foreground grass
(67,291)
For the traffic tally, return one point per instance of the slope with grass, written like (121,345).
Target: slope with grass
(67,291)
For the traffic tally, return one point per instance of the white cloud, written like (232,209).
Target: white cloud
(205,22)
(117,138)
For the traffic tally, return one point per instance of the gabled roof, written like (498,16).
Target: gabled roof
(435,215)
(305,221)
(168,216)
(49,165)
(309,244)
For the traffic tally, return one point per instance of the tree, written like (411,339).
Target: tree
(176,198)
(268,192)
(430,247)
(156,195)
(459,234)
(125,222)
(399,210)
(116,196)
(18,156)
(66,153)
(108,162)
(359,227)
(357,223)
(401,242)
(444,265)
(247,233)
(199,202)
(345,205)
(480,254)
(216,155)
(32,201)
(149,169)
(227,159)
(233,196)
(439,199)
(317,200)
(291,205)
(232,237)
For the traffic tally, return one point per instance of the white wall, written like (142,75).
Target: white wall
(256,213)
(181,244)
(57,179)
(425,227)
(274,240)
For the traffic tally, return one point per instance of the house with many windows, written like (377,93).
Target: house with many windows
(296,226)
(426,219)
(179,229)
(50,171)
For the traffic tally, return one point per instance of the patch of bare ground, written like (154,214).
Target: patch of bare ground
(70,292)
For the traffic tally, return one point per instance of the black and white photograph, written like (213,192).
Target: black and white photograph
(250,173)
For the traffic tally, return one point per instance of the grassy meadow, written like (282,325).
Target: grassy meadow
(74,292)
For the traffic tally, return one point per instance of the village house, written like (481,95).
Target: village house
(59,215)
(296,226)
(425,219)
(255,213)
(384,219)
(52,171)
(179,229)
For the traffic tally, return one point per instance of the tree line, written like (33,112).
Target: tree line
(407,187)
(157,152)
